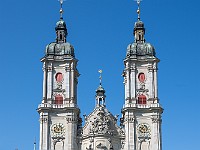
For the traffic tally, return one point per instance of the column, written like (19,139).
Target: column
(156,137)
(49,82)
(44,82)
(133,83)
(151,83)
(67,83)
(127,84)
(129,122)
(155,81)
(44,131)
(72,82)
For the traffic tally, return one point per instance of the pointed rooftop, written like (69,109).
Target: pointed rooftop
(60,46)
(139,47)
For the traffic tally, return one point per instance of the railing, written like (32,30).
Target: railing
(141,105)
(57,105)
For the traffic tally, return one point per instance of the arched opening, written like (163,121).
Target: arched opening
(59,77)
(60,36)
(58,99)
(142,99)
(139,37)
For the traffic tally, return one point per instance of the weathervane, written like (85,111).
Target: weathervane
(138,10)
(61,9)
(100,77)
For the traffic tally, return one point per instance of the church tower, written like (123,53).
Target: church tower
(141,114)
(59,113)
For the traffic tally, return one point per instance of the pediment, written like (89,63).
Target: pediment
(101,123)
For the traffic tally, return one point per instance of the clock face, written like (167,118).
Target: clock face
(144,129)
(58,130)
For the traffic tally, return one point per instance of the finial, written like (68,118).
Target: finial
(61,9)
(138,10)
(100,77)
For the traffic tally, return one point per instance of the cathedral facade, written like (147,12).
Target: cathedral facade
(61,125)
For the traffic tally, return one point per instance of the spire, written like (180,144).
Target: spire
(61,29)
(138,10)
(139,29)
(100,92)
(61,9)
(100,77)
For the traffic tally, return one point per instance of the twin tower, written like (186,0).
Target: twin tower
(60,122)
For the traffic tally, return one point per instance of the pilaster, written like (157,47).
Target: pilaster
(129,124)
(44,132)
(49,82)
(156,133)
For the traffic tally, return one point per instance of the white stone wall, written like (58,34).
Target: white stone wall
(58,122)
(137,116)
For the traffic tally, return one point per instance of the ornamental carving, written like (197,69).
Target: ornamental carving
(59,85)
(44,119)
(142,86)
(101,146)
(156,119)
(101,125)
(124,74)
(121,132)
(71,119)
(58,131)
(144,132)
(122,143)
(49,68)
(129,119)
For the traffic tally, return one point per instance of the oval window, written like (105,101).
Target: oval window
(59,77)
(141,77)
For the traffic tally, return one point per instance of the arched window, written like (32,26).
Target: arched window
(139,37)
(60,36)
(58,99)
(141,77)
(142,99)
(59,77)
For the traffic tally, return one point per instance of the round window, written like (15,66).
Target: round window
(141,77)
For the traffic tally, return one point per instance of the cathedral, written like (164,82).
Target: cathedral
(61,126)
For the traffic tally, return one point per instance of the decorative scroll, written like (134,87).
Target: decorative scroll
(101,125)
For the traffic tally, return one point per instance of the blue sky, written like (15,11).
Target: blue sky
(100,31)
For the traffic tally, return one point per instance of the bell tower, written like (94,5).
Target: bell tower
(59,113)
(141,114)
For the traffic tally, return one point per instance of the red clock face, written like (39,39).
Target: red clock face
(141,77)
